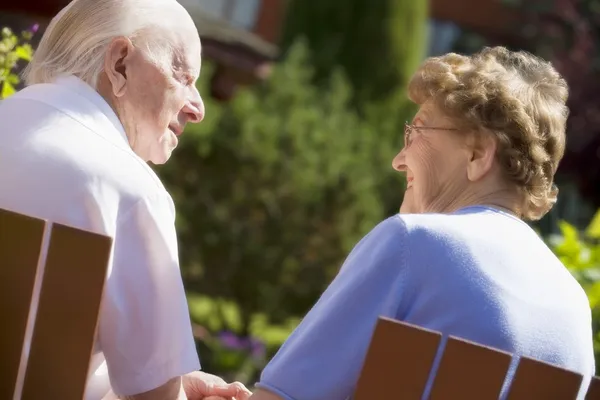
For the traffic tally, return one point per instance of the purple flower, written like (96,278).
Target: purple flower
(257,348)
(35,28)
(231,340)
(252,345)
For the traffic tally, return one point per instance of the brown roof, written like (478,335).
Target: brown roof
(221,31)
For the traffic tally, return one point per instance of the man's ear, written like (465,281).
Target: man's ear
(482,155)
(116,63)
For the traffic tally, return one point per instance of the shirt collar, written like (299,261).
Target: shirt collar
(74,84)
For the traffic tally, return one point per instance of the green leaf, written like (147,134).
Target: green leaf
(24,52)
(569,231)
(6,32)
(7,90)
(593,293)
(13,79)
(593,229)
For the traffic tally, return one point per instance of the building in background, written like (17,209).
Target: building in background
(239,36)
(474,22)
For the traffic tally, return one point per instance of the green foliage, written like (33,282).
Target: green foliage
(274,189)
(222,321)
(12,50)
(378,44)
(580,253)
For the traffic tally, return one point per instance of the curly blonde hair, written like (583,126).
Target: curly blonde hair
(519,98)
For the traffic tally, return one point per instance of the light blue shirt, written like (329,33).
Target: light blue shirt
(479,274)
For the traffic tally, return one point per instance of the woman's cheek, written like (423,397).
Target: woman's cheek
(427,173)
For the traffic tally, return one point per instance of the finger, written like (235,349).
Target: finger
(243,392)
(236,390)
(223,391)
(243,396)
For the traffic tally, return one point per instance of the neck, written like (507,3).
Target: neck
(502,198)
(105,90)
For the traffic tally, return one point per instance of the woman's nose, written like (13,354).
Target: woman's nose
(399,162)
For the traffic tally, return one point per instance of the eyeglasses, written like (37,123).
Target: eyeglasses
(409,129)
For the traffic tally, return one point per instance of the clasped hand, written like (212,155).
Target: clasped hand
(199,385)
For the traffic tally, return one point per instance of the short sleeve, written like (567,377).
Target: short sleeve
(323,357)
(144,328)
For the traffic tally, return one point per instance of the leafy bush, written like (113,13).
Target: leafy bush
(378,44)
(580,253)
(13,49)
(274,189)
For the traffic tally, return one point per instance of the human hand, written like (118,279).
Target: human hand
(199,385)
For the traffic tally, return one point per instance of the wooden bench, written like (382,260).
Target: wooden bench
(51,282)
(401,356)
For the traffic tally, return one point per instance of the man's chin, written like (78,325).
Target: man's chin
(162,158)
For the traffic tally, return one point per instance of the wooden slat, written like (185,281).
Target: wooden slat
(469,371)
(21,240)
(538,380)
(400,358)
(593,392)
(65,326)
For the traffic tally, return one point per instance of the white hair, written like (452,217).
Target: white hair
(78,37)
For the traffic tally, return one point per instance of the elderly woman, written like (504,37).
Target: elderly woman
(479,157)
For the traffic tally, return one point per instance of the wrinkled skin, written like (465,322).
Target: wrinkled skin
(197,384)
(155,114)
(449,169)
(434,162)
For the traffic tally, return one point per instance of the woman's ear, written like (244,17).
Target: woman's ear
(482,154)
(116,63)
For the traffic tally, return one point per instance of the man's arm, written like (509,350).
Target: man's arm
(193,386)
(144,327)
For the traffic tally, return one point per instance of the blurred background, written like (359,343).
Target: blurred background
(306,101)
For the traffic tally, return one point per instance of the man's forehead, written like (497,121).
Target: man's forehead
(183,34)
(188,58)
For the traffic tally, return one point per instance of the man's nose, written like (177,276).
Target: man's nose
(194,109)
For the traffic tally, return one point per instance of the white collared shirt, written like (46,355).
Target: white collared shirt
(64,156)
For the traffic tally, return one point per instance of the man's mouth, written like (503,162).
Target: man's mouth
(409,182)
(176,130)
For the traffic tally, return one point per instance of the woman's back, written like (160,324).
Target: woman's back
(478,274)
(498,284)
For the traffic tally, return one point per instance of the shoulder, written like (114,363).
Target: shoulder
(77,144)
(54,167)
(386,238)
(384,245)
(425,228)
(432,238)
(402,230)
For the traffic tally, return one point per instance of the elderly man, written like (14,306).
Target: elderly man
(111,87)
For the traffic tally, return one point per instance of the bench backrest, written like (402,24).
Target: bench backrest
(51,282)
(401,356)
